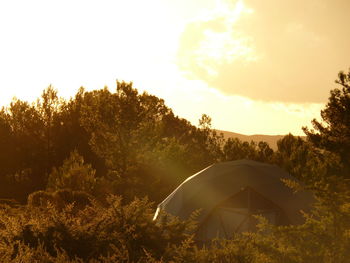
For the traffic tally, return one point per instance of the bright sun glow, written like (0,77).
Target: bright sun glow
(242,62)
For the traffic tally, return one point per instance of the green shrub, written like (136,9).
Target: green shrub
(74,174)
(97,232)
(60,199)
(40,198)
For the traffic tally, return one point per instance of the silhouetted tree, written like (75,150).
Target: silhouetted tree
(333,132)
(48,107)
(235,149)
(24,147)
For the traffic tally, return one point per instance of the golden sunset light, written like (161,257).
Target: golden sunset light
(254,67)
(175,131)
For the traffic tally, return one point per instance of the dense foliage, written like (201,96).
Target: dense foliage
(79,180)
(125,138)
(333,133)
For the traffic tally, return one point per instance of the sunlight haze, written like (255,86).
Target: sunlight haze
(255,67)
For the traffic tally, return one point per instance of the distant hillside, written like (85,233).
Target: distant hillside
(270,139)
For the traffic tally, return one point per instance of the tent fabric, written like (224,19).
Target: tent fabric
(209,190)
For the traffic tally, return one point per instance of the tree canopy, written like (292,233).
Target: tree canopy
(88,167)
(333,132)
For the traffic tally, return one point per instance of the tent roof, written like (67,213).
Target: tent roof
(218,182)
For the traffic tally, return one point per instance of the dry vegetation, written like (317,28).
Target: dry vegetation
(79,181)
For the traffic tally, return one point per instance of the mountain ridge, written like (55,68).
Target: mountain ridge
(270,139)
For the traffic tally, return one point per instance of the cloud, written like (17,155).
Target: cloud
(289,51)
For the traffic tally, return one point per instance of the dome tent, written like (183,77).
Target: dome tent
(229,194)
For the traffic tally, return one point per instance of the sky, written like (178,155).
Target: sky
(255,67)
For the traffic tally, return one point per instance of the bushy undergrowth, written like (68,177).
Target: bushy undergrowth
(60,199)
(116,232)
(121,233)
